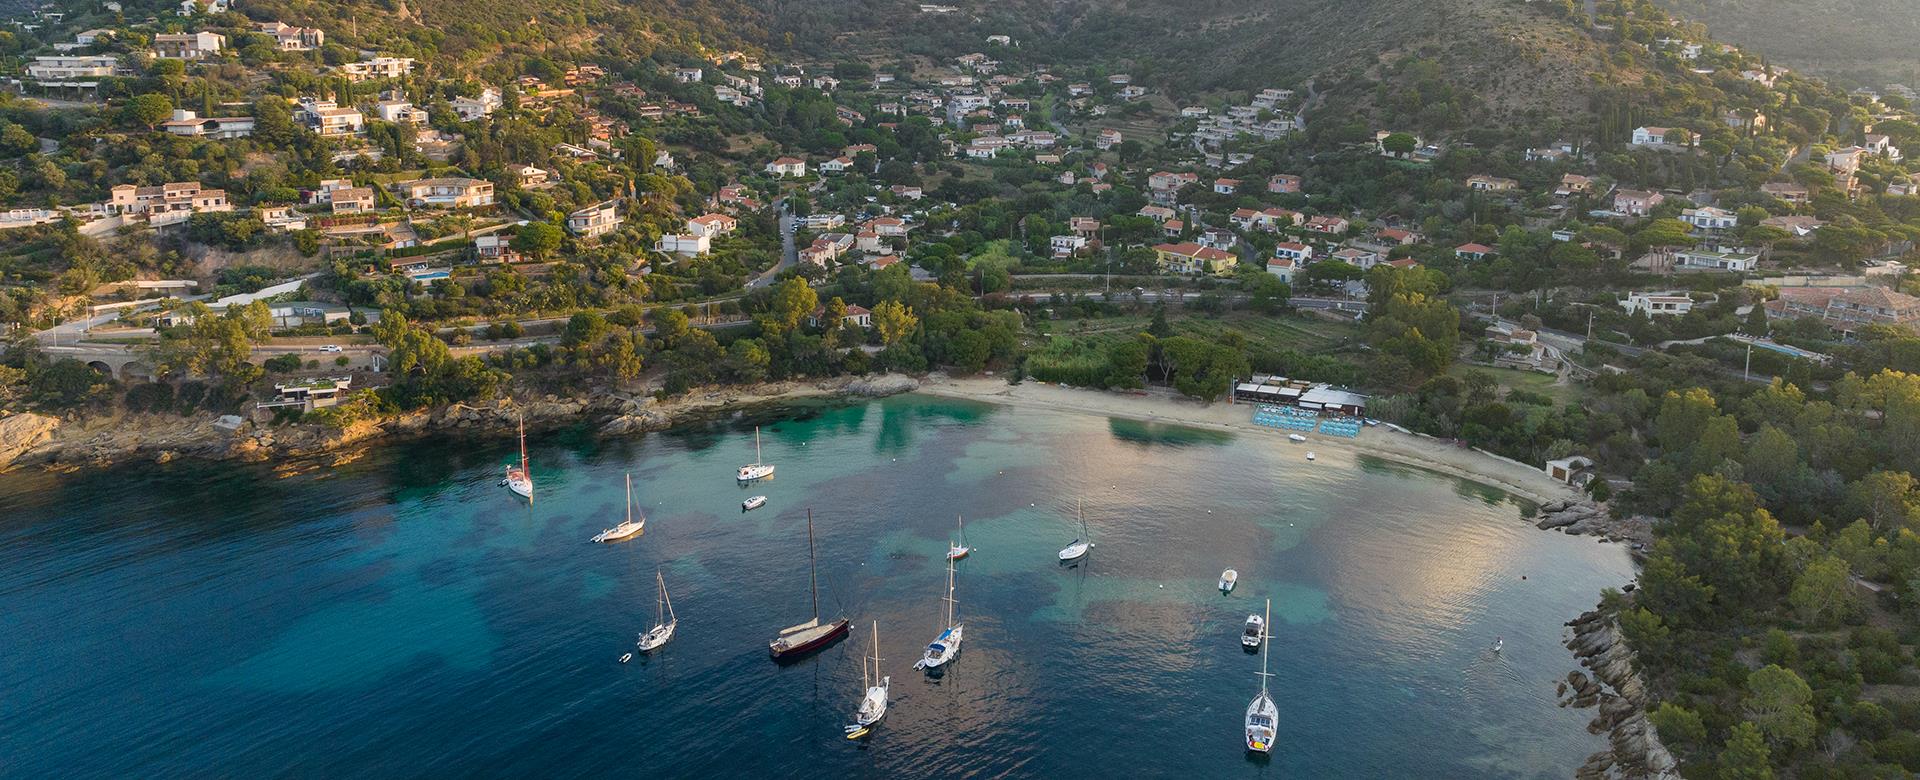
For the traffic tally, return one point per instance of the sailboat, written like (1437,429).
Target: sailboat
(1262,715)
(959,549)
(945,647)
(628,528)
(1078,549)
(662,631)
(756,469)
(812,635)
(520,480)
(873,704)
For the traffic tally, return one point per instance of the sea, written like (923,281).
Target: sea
(404,616)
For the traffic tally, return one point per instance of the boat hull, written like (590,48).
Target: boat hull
(659,636)
(783,649)
(619,533)
(956,553)
(520,485)
(753,473)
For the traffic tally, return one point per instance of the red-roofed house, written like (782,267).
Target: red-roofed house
(1472,251)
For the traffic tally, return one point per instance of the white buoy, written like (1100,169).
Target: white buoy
(1309,456)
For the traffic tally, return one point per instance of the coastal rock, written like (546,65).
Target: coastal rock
(884,384)
(22,432)
(1621,697)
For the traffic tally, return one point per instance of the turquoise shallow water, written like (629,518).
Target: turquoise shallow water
(404,616)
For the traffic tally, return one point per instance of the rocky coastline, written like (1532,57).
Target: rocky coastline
(1585,518)
(1614,688)
(81,442)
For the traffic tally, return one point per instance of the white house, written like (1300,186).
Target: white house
(596,220)
(787,166)
(1710,218)
(187,46)
(1657,303)
(1704,260)
(684,244)
(188,123)
(711,225)
(1659,136)
(1067,246)
(378,68)
(472,108)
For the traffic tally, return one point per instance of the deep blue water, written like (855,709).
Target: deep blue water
(403,616)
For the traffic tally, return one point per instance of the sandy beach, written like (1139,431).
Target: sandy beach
(1167,407)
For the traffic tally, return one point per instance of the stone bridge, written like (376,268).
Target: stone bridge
(118,362)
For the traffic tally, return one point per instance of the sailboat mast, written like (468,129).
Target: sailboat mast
(813,573)
(660,602)
(630,508)
(1266,642)
(523,446)
(756,445)
(949,593)
(664,596)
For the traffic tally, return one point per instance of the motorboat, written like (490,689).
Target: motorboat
(753,503)
(1296,438)
(1255,630)
(1228,579)
(1310,456)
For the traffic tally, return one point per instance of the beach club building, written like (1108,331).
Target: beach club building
(1316,397)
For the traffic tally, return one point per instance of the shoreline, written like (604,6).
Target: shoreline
(1147,406)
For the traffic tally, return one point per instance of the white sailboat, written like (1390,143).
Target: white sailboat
(629,527)
(756,469)
(959,549)
(873,704)
(520,480)
(1078,549)
(946,646)
(662,631)
(1263,716)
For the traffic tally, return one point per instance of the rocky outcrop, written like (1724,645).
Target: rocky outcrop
(1583,518)
(22,432)
(1615,689)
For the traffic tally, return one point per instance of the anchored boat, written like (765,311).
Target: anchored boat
(627,528)
(798,640)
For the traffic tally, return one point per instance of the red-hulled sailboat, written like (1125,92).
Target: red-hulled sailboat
(795,641)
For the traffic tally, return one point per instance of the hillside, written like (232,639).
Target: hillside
(1865,41)
(1465,63)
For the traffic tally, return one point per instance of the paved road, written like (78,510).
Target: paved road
(789,254)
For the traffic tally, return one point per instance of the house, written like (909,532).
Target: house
(328,120)
(1845,162)
(1653,304)
(1226,186)
(281,219)
(1281,183)
(290,38)
(1574,470)
(1163,181)
(1155,213)
(472,108)
(683,244)
(1191,258)
(187,46)
(1637,203)
(72,70)
(1660,136)
(351,200)
(1328,225)
(1795,194)
(377,68)
(837,165)
(1299,253)
(1484,183)
(1362,259)
(188,123)
(1107,139)
(400,112)
(687,75)
(444,193)
(166,204)
(909,192)
(1398,237)
(1173,228)
(1284,268)
(1710,218)
(712,225)
(528,177)
(857,316)
(1573,184)
(191,7)
(1067,246)
(1084,226)
(823,221)
(596,220)
(1882,145)
(1706,260)
(1194,112)
(1218,238)
(787,166)
(1471,251)
(495,248)
(1847,309)
(309,394)
(888,227)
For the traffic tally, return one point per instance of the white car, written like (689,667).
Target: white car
(330,348)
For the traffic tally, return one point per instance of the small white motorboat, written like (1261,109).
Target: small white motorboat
(1228,579)
(753,503)
(1498,643)
(1294,437)
(1309,456)
(1256,628)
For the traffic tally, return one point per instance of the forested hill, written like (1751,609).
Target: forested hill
(1870,42)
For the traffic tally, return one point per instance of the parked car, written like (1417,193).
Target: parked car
(330,348)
